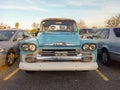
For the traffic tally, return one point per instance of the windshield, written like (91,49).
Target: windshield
(86,31)
(58,25)
(117,32)
(6,35)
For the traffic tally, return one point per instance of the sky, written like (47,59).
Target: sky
(93,12)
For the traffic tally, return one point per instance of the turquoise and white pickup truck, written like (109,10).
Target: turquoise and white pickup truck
(58,47)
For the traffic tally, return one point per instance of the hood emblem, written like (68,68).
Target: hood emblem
(59,44)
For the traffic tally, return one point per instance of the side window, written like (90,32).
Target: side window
(18,36)
(26,34)
(104,34)
(97,34)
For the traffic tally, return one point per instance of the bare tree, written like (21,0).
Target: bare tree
(113,21)
(3,26)
(35,25)
(81,24)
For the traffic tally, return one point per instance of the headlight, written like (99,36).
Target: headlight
(85,47)
(28,47)
(2,49)
(25,47)
(32,47)
(89,47)
(92,47)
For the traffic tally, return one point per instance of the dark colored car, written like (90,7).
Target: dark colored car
(86,33)
(9,40)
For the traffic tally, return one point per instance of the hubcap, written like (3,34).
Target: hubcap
(11,57)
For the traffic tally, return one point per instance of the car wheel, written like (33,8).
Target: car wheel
(10,58)
(105,57)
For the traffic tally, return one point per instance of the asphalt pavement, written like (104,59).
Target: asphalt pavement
(104,78)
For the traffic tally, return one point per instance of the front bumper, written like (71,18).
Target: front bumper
(58,66)
(2,59)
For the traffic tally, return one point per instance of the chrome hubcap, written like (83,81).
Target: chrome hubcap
(11,57)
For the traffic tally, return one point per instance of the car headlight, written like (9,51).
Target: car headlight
(25,47)
(32,47)
(85,47)
(2,49)
(28,47)
(92,47)
(89,47)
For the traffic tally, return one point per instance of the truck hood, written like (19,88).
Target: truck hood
(49,38)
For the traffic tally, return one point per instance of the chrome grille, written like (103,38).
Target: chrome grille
(52,52)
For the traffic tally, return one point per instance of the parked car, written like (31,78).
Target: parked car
(9,40)
(86,33)
(108,40)
(58,47)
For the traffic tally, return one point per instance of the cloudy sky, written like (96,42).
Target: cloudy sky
(93,12)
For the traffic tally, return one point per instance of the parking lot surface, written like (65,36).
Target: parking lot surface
(104,78)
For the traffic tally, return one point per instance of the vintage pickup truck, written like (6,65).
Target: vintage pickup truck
(58,47)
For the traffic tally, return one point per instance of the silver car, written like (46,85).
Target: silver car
(108,40)
(9,40)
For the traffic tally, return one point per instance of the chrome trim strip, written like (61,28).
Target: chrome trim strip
(115,52)
(62,45)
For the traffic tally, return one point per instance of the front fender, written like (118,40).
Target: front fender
(31,40)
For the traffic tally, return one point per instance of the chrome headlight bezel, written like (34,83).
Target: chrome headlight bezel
(89,47)
(28,47)
(32,47)
(85,47)
(25,47)
(92,47)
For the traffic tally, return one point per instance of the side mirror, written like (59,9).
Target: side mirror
(18,39)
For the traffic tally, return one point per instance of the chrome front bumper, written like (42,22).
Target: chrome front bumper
(58,66)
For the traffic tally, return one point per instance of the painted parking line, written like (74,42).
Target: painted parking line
(11,74)
(102,75)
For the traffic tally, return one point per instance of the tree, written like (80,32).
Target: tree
(3,26)
(35,25)
(113,21)
(81,24)
(16,25)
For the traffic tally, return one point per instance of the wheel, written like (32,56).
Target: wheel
(105,57)
(10,58)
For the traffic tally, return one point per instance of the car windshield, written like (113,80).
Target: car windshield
(58,25)
(117,32)
(86,31)
(6,35)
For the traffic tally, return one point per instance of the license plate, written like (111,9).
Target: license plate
(60,53)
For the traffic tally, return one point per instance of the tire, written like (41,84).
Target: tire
(105,57)
(10,58)
(28,72)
